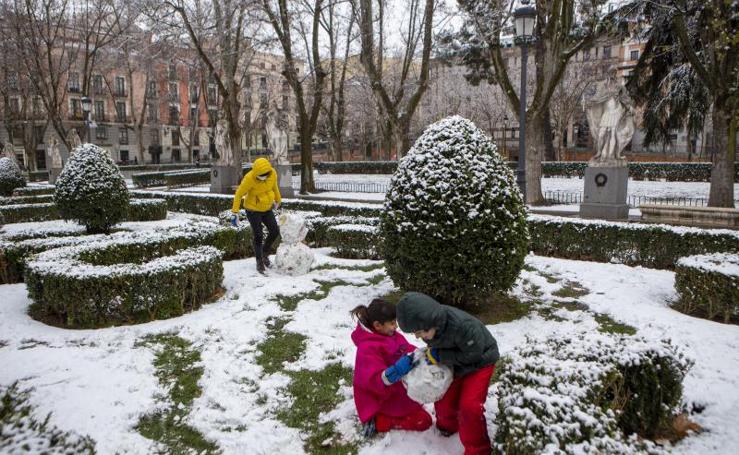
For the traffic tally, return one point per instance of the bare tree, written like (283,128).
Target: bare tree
(398,103)
(285,19)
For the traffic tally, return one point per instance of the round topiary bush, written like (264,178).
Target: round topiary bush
(11,177)
(454,224)
(91,190)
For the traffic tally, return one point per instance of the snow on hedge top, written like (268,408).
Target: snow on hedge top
(723,263)
(449,174)
(8,169)
(90,170)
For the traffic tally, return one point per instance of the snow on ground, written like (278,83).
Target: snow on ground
(98,382)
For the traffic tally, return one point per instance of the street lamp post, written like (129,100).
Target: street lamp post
(505,136)
(86,108)
(524,18)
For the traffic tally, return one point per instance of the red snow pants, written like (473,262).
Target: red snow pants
(462,409)
(417,421)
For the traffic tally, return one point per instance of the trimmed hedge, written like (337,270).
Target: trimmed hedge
(319,226)
(11,176)
(124,282)
(33,190)
(175,178)
(647,245)
(672,172)
(147,179)
(188,178)
(354,241)
(708,286)
(138,210)
(32,199)
(235,243)
(38,176)
(588,393)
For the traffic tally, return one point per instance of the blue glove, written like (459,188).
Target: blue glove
(369,429)
(234,220)
(432,356)
(396,372)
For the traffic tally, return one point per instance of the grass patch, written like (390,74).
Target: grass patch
(361,268)
(279,347)
(501,308)
(571,306)
(609,325)
(313,393)
(376,279)
(290,302)
(571,289)
(177,370)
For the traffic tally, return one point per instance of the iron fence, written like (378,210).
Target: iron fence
(567,197)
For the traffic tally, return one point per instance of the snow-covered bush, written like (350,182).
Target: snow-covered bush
(235,244)
(91,190)
(137,210)
(23,430)
(11,176)
(354,241)
(120,282)
(454,224)
(591,393)
(708,286)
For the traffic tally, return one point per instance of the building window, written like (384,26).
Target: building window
(101,132)
(153,113)
(194,93)
(152,89)
(176,156)
(97,84)
(194,115)
(74,82)
(38,133)
(100,111)
(634,55)
(285,85)
(37,106)
(174,115)
(123,136)
(120,112)
(13,81)
(155,137)
(76,108)
(172,71)
(263,83)
(15,105)
(212,117)
(212,95)
(173,89)
(607,52)
(124,155)
(175,137)
(196,138)
(120,86)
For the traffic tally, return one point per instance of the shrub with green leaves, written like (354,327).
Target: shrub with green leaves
(454,223)
(91,190)
(588,393)
(125,282)
(11,176)
(708,286)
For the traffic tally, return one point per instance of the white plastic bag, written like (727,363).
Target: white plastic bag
(427,383)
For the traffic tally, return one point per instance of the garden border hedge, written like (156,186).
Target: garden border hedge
(31,199)
(235,243)
(80,287)
(708,286)
(354,241)
(35,190)
(138,210)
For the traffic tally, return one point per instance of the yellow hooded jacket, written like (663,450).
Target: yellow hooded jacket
(259,194)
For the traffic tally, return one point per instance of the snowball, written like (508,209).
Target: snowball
(294,259)
(292,228)
(427,383)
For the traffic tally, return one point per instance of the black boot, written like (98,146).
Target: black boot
(260,265)
(266,261)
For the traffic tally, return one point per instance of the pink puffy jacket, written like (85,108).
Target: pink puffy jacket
(376,352)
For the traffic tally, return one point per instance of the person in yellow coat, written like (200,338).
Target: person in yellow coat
(260,194)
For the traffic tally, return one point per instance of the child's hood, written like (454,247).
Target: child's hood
(417,311)
(364,336)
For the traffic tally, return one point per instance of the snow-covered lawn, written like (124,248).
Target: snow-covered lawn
(101,382)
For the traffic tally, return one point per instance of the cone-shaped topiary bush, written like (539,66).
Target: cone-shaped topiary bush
(11,176)
(454,224)
(91,190)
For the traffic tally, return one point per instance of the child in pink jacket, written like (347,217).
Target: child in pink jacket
(383,358)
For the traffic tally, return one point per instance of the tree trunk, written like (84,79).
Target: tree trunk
(140,151)
(691,147)
(534,153)
(548,136)
(337,148)
(307,184)
(722,174)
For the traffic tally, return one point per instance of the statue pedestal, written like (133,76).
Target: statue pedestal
(605,193)
(285,180)
(54,174)
(224,178)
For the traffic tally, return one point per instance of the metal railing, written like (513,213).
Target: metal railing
(352,187)
(567,197)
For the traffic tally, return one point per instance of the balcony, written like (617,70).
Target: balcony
(74,89)
(122,119)
(98,90)
(120,93)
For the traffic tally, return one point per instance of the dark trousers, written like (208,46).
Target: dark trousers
(256,220)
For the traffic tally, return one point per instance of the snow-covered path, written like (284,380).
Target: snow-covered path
(100,382)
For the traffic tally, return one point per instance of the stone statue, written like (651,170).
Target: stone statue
(223,144)
(73,139)
(56,157)
(277,135)
(610,114)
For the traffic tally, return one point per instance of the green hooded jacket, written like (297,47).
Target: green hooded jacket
(462,341)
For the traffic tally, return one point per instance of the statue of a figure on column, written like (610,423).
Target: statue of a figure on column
(73,139)
(610,114)
(223,144)
(278,135)
(56,157)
